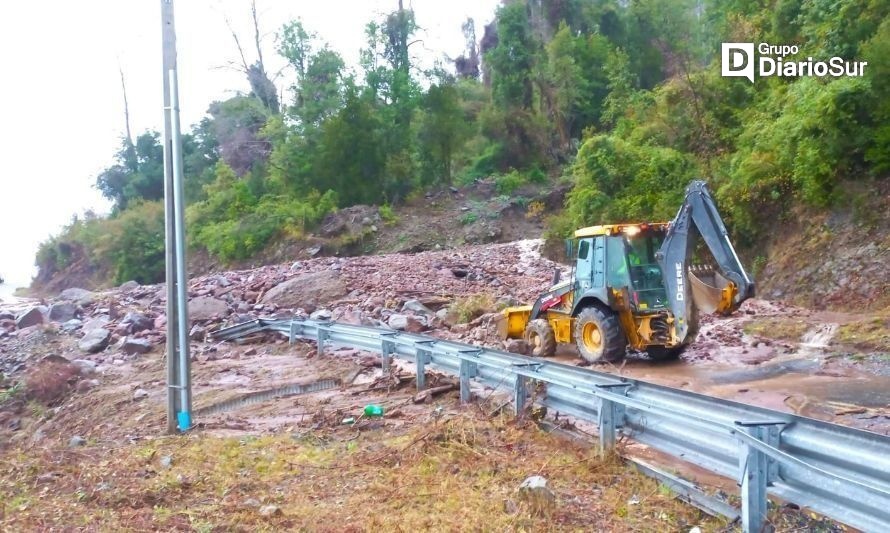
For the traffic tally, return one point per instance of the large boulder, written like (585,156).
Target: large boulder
(95,340)
(62,311)
(31,317)
(78,296)
(138,322)
(128,286)
(417,307)
(409,323)
(98,321)
(308,291)
(207,308)
(135,346)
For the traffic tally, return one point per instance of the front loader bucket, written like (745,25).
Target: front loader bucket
(710,291)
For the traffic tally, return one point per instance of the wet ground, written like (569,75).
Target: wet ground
(811,377)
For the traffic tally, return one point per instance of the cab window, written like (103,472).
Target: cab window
(583,249)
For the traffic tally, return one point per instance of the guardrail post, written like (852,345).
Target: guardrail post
(610,417)
(421,358)
(321,336)
(606,426)
(292,336)
(387,348)
(757,471)
(520,394)
(467,371)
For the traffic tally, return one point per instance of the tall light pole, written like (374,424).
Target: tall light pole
(179,383)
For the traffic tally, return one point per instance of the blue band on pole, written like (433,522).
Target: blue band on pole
(185,420)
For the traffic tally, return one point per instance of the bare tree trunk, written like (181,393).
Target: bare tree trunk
(131,148)
(256,36)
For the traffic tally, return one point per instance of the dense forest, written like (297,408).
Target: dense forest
(624,99)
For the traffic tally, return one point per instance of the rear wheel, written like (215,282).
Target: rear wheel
(663,353)
(598,336)
(539,335)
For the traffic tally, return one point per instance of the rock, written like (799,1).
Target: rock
(321,314)
(407,323)
(506,301)
(134,346)
(77,441)
(160,322)
(31,317)
(95,340)
(84,367)
(86,384)
(139,394)
(128,286)
(166,461)
(138,322)
(539,497)
(206,308)
(415,306)
(309,291)
(518,346)
(270,511)
(197,333)
(62,311)
(78,296)
(72,325)
(95,323)
(7,315)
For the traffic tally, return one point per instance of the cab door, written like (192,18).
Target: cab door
(584,265)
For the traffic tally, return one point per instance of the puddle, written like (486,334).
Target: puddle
(870,392)
(767,371)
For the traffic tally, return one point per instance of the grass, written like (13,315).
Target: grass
(866,334)
(787,329)
(455,475)
(468,308)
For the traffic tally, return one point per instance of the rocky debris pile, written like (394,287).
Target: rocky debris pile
(405,292)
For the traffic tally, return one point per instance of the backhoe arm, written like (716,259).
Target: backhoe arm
(698,216)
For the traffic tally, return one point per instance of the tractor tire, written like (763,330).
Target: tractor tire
(662,353)
(540,337)
(599,336)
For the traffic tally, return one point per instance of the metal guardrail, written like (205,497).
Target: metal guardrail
(837,471)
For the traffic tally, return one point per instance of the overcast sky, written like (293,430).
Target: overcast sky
(62,117)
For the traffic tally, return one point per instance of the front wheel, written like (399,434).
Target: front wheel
(539,335)
(599,336)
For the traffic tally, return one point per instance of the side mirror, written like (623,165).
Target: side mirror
(557,274)
(570,249)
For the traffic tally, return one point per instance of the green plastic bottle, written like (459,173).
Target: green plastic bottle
(372,410)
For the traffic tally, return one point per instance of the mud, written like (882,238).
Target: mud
(810,378)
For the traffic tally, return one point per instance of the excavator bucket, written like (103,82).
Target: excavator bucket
(711,292)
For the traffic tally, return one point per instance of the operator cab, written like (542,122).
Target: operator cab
(623,256)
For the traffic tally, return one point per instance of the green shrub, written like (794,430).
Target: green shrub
(233,223)
(388,214)
(508,183)
(469,218)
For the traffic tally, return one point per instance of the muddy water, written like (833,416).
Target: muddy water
(806,382)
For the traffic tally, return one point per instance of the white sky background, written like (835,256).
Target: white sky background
(62,115)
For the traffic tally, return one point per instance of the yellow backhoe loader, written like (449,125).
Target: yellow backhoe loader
(633,287)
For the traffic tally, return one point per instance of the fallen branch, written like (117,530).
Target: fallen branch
(428,394)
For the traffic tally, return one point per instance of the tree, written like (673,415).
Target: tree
(467,65)
(261,85)
(442,132)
